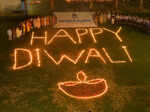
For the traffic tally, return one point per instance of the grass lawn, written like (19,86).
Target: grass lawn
(35,89)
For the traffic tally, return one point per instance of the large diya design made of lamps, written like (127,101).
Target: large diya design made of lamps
(83,89)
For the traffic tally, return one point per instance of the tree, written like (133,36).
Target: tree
(116,4)
(51,4)
(141,4)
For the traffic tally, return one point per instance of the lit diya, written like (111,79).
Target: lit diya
(83,89)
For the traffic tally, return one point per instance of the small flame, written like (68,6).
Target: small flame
(81,76)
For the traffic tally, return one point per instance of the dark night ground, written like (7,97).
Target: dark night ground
(35,89)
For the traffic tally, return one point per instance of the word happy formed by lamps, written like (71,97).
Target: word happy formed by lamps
(102,55)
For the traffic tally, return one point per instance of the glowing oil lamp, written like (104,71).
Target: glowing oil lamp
(83,89)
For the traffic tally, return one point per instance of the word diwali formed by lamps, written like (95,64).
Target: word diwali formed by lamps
(102,54)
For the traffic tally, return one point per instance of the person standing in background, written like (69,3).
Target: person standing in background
(10,34)
(14,32)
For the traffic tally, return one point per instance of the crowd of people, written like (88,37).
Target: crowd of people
(99,18)
(28,25)
(102,18)
(139,22)
(122,19)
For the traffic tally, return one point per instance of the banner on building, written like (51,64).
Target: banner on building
(74,19)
